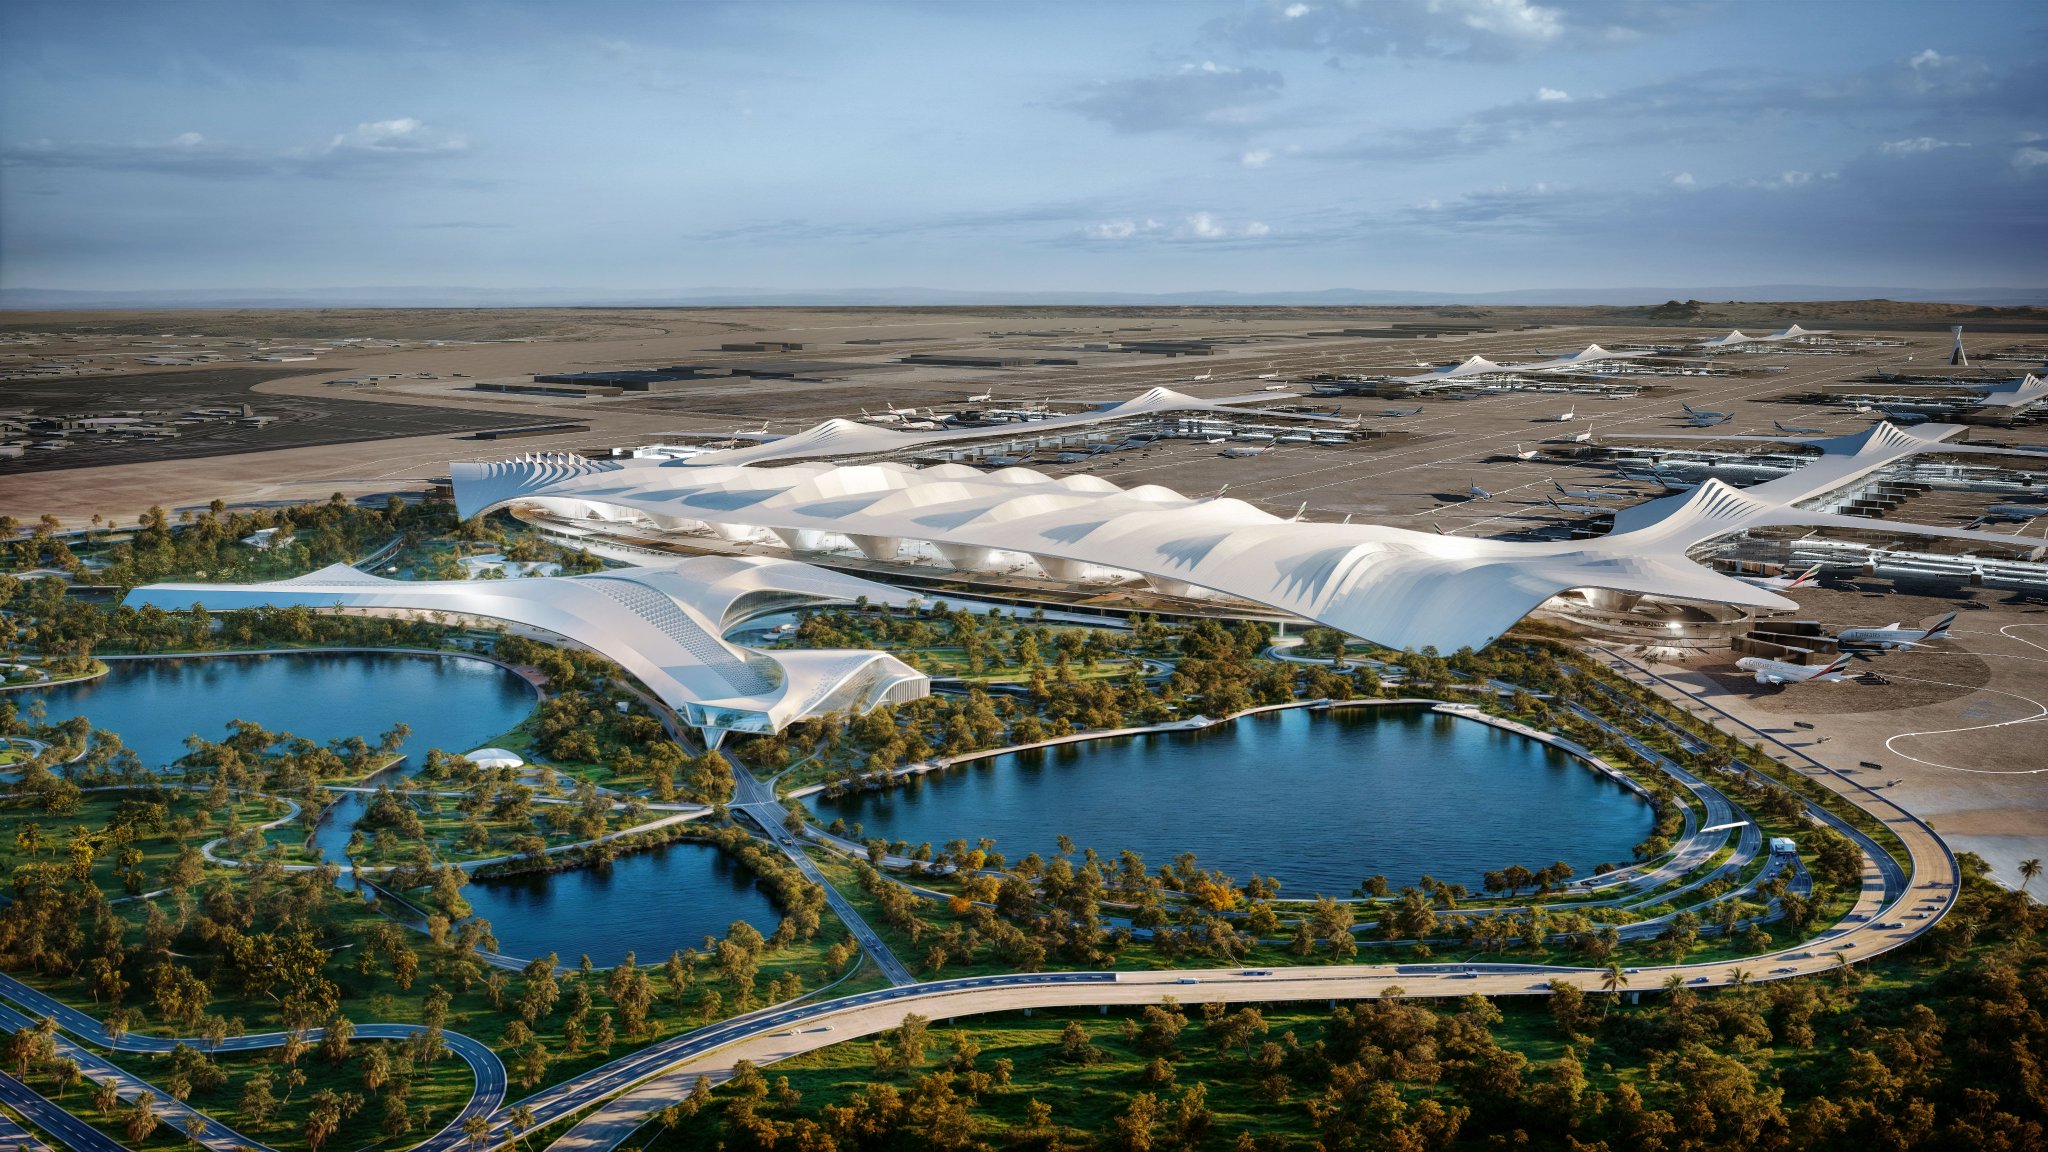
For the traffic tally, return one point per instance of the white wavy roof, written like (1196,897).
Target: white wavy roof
(852,438)
(1391,585)
(662,624)
(1480,365)
(1398,587)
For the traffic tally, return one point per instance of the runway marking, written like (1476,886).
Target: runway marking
(2040,713)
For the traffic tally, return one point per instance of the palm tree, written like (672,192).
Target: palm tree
(478,1129)
(520,1118)
(1614,980)
(2029,869)
(1738,977)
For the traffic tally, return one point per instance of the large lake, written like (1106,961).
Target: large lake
(1318,799)
(651,902)
(451,703)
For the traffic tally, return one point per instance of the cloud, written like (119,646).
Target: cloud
(1928,92)
(1472,29)
(1205,97)
(1684,180)
(1193,228)
(1916,144)
(1256,158)
(2029,158)
(1552,96)
(368,147)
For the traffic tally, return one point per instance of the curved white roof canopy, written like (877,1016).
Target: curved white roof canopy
(1397,587)
(662,624)
(1481,366)
(851,438)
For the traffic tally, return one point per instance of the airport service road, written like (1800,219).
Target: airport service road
(485,1097)
(758,801)
(69,1130)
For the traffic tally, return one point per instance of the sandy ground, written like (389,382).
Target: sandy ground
(1958,729)
(1960,736)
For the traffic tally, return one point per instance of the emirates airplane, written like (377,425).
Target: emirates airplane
(1779,672)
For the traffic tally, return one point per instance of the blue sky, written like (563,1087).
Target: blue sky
(1452,145)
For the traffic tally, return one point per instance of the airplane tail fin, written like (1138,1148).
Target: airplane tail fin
(1838,664)
(1805,578)
(1940,629)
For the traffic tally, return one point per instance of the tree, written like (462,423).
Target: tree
(2029,869)
(141,1119)
(1613,981)
(520,1118)
(477,1131)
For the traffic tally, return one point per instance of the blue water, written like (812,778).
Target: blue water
(452,703)
(1318,799)
(651,902)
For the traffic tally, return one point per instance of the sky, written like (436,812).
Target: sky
(1260,146)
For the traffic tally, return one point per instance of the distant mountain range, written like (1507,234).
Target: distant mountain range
(459,297)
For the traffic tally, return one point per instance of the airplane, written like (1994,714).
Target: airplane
(1796,430)
(1860,409)
(1657,478)
(1268,375)
(1585,437)
(1568,414)
(1709,419)
(2020,512)
(1475,492)
(1204,376)
(1400,411)
(984,398)
(1892,636)
(1240,453)
(1273,387)
(1780,583)
(1578,509)
(1779,672)
(1591,493)
(1904,416)
(1218,440)
(1526,453)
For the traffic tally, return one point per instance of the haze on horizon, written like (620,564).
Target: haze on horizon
(1271,145)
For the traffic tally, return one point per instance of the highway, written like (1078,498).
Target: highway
(74,1133)
(485,1097)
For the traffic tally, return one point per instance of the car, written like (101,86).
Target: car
(1256,972)
(1842,947)
(1917,916)
(1697,980)
(1783,971)
(1631,971)
(1187,980)
(1464,975)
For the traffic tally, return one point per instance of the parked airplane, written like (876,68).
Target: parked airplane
(1779,672)
(984,398)
(1204,376)
(1692,411)
(1578,509)
(1591,493)
(1660,479)
(1708,419)
(1238,453)
(1475,492)
(1796,430)
(1781,583)
(2020,512)
(1526,453)
(1565,417)
(1400,411)
(1892,636)
(1269,375)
